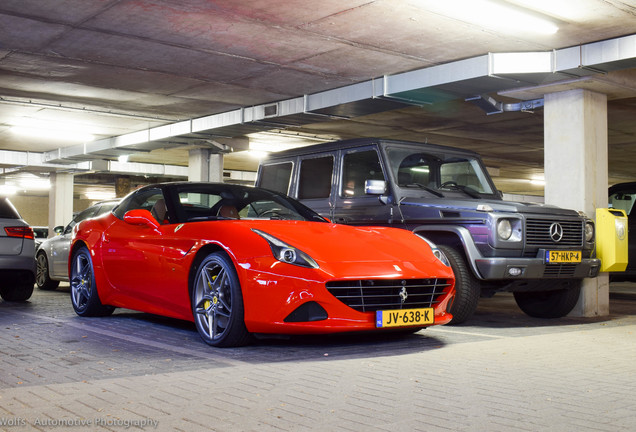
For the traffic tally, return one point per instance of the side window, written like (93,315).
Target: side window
(84,214)
(315,178)
(358,167)
(622,201)
(151,200)
(276,177)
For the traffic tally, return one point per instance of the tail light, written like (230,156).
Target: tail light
(19,231)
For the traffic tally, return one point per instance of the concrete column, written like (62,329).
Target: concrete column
(576,174)
(60,200)
(122,186)
(205,165)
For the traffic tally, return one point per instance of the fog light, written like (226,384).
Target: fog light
(514,271)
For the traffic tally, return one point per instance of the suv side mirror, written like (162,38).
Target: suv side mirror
(374,187)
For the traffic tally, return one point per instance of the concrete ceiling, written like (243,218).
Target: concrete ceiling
(117,67)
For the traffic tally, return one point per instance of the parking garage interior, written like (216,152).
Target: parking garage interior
(98,98)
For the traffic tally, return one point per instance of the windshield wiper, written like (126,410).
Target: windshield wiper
(426,188)
(466,189)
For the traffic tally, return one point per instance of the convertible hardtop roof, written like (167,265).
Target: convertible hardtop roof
(201,184)
(344,144)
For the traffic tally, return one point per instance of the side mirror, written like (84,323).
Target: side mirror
(58,230)
(374,187)
(141,217)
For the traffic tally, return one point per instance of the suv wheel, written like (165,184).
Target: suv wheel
(549,304)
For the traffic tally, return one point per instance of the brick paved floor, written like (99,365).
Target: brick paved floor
(501,371)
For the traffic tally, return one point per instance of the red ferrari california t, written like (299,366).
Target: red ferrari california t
(239,260)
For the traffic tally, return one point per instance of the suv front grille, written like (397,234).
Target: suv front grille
(559,270)
(538,233)
(370,295)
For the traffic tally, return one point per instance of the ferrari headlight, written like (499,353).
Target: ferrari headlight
(437,252)
(287,253)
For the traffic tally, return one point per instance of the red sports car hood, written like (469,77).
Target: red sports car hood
(335,245)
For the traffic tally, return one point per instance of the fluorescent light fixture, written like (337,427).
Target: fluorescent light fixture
(123,158)
(528,62)
(495,15)
(420,169)
(51,130)
(257,154)
(537,180)
(34,184)
(8,190)
(53,134)
(100,195)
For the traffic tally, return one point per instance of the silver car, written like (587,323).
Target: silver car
(52,256)
(17,248)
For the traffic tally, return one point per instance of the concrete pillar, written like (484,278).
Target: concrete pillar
(576,174)
(205,165)
(122,186)
(60,200)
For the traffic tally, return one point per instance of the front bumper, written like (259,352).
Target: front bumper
(535,268)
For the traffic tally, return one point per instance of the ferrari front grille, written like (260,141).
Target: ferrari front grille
(370,295)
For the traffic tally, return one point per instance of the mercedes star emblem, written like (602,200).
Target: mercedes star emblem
(556,232)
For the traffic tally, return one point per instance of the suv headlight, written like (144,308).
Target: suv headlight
(437,252)
(589,232)
(508,229)
(504,229)
(287,253)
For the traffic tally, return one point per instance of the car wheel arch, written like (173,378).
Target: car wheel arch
(198,259)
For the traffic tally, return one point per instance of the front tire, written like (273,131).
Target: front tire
(217,303)
(548,304)
(467,289)
(84,296)
(42,278)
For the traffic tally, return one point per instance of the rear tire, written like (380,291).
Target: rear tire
(84,296)
(42,278)
(467,289)
(16,293)
(548,304)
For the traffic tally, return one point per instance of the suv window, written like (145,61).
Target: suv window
(357,168)
(277,177)
(315,178)
(437,170)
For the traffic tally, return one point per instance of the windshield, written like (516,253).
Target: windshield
(437,171)
(214,202)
